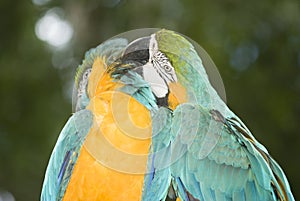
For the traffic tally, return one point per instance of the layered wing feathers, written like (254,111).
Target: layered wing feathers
(233,169)
(64,155)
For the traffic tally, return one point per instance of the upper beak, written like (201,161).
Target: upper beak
(137,51)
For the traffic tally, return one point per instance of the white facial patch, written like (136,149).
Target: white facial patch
(153,47)
(158,72)
(158,85)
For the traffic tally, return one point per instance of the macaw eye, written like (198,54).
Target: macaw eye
(167,68)
(83,82)
(87,73)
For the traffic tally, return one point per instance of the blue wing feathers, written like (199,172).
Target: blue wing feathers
(239,195)
(234,169)
(64,155)
(221,196)
(64,167)
(181,189)
(207,192)
(251,192)
(157,181)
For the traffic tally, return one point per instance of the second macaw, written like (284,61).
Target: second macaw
(148,125)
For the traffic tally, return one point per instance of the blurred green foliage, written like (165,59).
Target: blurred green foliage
(255,45)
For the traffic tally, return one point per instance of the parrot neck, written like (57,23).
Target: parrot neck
(200,91)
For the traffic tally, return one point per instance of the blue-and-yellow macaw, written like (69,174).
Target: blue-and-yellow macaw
(148,125)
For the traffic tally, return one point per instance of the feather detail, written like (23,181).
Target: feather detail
(111,49)
(64,156)
(234,168)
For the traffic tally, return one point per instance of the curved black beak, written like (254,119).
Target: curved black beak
(137,52)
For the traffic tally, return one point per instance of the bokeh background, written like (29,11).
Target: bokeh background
(255,45)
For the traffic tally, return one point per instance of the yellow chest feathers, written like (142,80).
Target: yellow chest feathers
(112,161)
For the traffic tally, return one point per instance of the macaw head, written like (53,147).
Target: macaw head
(172,67)
(164,61)
(94,64)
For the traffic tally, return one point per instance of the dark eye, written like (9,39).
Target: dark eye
(86,73)
(167,68)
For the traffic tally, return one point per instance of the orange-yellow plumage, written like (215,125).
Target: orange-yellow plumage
(92,181)
(177,95)
(112,162)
